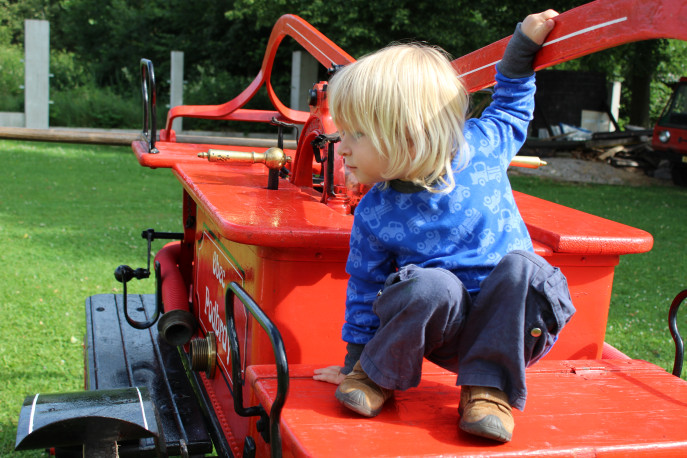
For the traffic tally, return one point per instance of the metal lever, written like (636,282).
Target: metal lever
(318,143)
(124,274)
(274,175)
(273,158)
(148,91)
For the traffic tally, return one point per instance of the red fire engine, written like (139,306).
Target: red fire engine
(250,297)
(670,133)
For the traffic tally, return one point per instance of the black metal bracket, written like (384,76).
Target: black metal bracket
(124,274)
(148,92)
(273,175)
(672,324)
(273,435)
(334,68)
(318,143)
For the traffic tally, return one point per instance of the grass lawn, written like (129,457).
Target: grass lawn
(69,214)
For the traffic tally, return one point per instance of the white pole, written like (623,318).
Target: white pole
(36,73)
(303,78)
(176,96)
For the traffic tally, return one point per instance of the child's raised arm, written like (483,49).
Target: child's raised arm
(538,26)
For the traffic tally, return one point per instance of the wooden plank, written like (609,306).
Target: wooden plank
(103,137)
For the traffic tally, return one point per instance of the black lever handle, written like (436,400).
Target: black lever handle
(124,274)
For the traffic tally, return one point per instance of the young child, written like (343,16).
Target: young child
(441,264)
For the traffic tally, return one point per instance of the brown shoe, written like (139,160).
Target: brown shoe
(360,394)
(485,412)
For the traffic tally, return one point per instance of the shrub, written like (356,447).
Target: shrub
(213,86)
(89,106)
(67,72)
(11,78)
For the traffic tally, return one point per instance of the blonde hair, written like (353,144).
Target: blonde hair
(409,101)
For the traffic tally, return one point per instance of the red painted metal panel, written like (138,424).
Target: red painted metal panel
(566,230)
(598,408)
(236,199)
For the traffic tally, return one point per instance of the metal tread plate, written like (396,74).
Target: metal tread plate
(118,355)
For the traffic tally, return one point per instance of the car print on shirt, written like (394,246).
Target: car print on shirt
(393,230)
(464,233)
(356,236)
(486,239)
(355,257)
(482,173)
(487,147)
(403,201)
(492,202)
(508,221)
(431,243)
(457,197)
(519,244)
(424,215)
(372,215)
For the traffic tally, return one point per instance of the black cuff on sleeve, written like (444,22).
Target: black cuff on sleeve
(352,357)
(519,54)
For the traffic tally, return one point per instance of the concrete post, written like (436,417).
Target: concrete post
(176,96)
(616,88)
(303,78)
(36,73)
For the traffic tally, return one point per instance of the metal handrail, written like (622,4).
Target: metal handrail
(672,324)
(274,436)
(148,93)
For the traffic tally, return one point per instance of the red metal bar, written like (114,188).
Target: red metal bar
(322,48)
(585,30)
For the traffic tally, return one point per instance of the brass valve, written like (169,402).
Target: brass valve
(204,354)
(274,158)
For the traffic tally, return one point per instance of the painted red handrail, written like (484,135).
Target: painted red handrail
(320,47)
(584,30)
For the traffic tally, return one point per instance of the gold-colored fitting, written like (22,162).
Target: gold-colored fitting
(204,354)
(529,162)
(273,158)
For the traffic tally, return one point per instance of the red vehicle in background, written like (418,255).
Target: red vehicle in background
(670,133)
(250,299)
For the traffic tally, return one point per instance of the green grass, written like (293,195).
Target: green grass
(70,214)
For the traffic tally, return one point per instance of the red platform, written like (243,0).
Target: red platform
(609,408)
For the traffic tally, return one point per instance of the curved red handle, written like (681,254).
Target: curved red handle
(584,30)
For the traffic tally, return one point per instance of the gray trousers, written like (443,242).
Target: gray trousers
(488,341)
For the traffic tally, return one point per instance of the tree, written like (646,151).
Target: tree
(361,26)
(224,40)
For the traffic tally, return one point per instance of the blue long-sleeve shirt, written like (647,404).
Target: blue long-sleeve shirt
(466,231)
